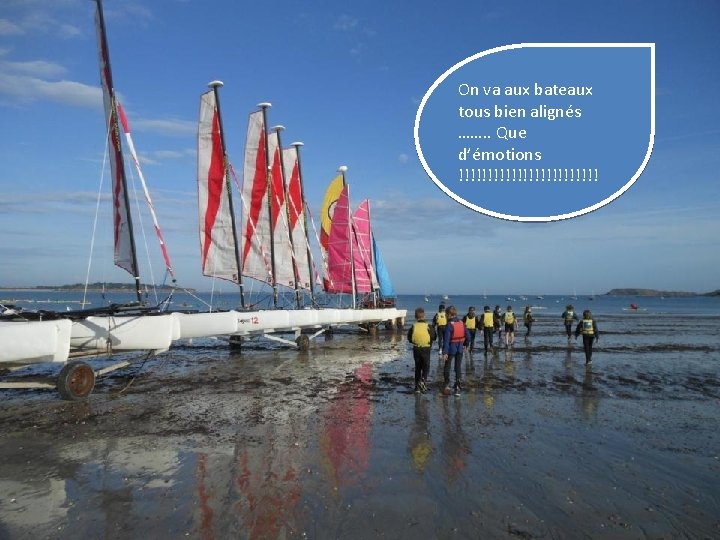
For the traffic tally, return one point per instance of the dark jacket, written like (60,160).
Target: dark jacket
(579,328)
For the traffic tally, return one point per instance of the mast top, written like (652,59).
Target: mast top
(297,143)
(216,84)
(264,105)
(342,168)
(277,128)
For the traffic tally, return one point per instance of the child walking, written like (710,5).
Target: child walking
(421,335)
(510,323)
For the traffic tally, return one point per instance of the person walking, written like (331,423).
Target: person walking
(587,327)
(528,320)
(471,323)
(510,324)
(455,342)
(568,317)
(497,322)
(421,335)
(488,327)
(440,322)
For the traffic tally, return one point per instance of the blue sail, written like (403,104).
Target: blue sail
(386,287)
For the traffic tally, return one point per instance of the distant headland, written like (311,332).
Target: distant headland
(653,292)
(91,287)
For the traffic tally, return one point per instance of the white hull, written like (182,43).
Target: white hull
(197,325)
(124,333)
(30,342)
(286,320)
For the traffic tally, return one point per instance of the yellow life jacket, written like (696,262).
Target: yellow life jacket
(528,317)
(587,327)
(488,320)
(421,334)
(569,316)
(441,318)
(470,322)
(509,317)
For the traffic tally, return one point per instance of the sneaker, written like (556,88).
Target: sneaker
(457,390)
(417,389)
(423,388)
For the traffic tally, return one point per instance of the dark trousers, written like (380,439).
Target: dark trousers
(441,336)
(421,355)
(472,338)
(488,337)
(588,345)
(528,325)
(568,330)
(458,356)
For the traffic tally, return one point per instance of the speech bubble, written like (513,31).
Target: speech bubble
(540,131)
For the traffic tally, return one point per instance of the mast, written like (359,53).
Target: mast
(121,210)
(372,259)
(342,169)
(297,146)
(214,85)
(268,178)
(296,274)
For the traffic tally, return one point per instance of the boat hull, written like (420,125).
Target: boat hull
(123,333)
(198,325)
(32,342)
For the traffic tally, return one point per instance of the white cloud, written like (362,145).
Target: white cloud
(24,89)
(166,126)
(9,28)
(345,23)
(403,158)
(158,156)
(35,68)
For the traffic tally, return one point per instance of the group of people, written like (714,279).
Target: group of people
(456,335)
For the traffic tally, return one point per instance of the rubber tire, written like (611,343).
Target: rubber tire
(76,381)
(303,343)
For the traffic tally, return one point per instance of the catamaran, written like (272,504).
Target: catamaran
(272,247)
(59,336)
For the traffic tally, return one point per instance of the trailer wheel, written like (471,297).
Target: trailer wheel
(303,343)
(76,381)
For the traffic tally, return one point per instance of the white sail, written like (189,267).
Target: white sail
(217,246)
(296,212)
(284,272)
(255,224)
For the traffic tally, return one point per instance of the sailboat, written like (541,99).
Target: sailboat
(57,336)
(354,262)
(271,245)
(130,326)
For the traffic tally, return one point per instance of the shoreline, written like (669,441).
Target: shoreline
(337,444)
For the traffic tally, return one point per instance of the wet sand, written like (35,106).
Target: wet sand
(333,443)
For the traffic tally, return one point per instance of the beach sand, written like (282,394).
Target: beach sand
(333,443)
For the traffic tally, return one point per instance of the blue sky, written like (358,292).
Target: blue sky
(347,79)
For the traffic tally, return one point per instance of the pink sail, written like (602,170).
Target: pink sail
(123,241)
(148,199)
(217,244)
(365,280)
(339,268)
(255,224)
(296,216)
(283,253)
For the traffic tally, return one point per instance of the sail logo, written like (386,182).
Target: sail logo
(540,131)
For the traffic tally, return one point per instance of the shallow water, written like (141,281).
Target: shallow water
(332,443)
